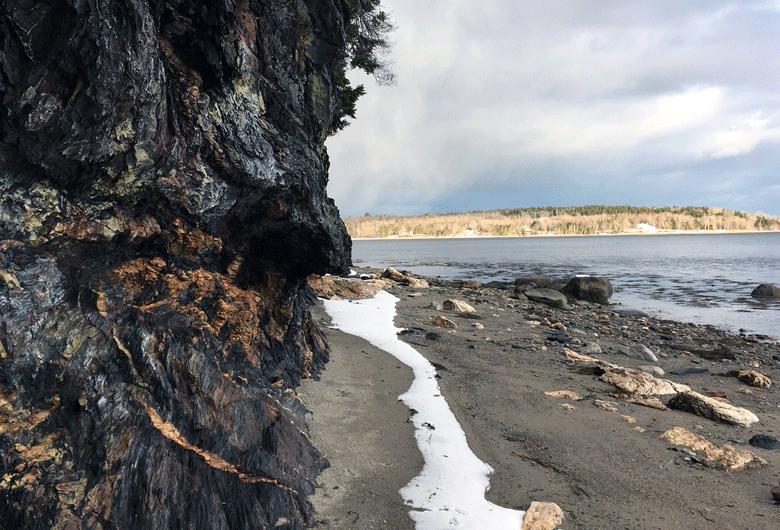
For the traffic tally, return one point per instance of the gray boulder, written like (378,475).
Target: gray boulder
(590,348)
(766,290)
(557,285)
(639,351)
(535,281)
(590,288)
(549,297)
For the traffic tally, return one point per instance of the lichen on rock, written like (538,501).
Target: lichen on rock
(162,201)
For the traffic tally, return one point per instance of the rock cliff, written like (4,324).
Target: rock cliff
(162,200)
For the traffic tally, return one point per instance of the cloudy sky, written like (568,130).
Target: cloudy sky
(515,103)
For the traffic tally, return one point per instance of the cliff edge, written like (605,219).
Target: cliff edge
(162,200)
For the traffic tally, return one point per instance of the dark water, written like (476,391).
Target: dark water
(701,278)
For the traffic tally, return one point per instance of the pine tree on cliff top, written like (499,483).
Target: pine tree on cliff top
(367,28)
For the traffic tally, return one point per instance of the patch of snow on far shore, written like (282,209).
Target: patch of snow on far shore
(449,492)
(644,227)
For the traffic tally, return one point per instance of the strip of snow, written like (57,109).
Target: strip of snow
(449,493)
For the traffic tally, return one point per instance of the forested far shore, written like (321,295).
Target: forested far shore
(571,220)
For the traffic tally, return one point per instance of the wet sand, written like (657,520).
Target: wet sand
(362,428)
(594,463)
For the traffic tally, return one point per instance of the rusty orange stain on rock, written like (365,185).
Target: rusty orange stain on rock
(169,431)
(136,274)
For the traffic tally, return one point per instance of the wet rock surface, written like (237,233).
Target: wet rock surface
(766,290)
(162,184)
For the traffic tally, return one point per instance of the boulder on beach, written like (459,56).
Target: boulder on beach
(590,288)
(639,351)
(542,516)
(404,278)
(655,371)
(549,297)
(415,283)
(751,378)
(458,306)
(533,281)
(590,348)
(765,441)
(392,274)
(725,455)
(766,290)
(712,409)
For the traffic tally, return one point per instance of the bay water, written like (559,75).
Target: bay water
(699,278)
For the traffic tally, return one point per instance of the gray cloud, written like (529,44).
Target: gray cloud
(502,104)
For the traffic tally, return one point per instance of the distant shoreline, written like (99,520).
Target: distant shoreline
(550,221)
(628,233)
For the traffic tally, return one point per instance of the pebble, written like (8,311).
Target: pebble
(590,348)
(442,322)
(639,351)
(653,370)
(559,336)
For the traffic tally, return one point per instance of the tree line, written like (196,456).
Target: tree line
(570,220)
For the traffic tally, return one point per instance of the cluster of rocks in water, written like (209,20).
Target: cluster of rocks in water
(582,324)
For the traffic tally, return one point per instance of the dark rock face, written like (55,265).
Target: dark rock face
(592,289)
(162,200)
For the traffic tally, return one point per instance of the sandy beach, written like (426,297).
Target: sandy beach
(600,458)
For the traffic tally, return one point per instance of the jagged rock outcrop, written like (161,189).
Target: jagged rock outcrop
(162,200)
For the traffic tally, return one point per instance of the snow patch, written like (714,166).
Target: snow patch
(449,493)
